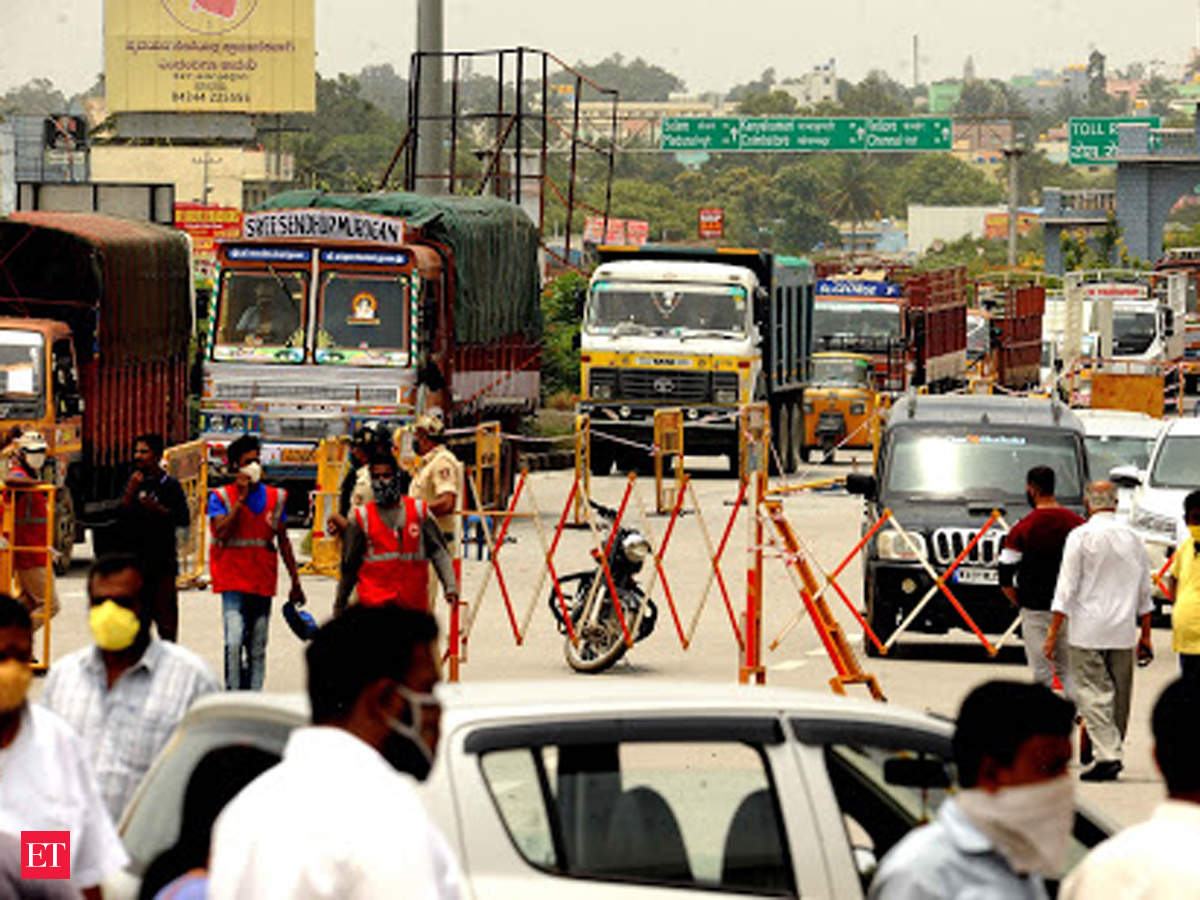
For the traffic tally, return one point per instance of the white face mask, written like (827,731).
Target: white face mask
(36,460)
(254,470)
(1030,824)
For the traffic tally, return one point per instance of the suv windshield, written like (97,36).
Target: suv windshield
(1178,463)
(261,316)
(1107,451)
(675,307)
(1133,332)
(980,465)
(22,356)
(364,319)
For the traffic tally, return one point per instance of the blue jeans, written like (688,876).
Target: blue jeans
(246,619)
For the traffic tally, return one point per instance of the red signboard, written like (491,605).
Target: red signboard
(206,225)
(620,231)
(712,222)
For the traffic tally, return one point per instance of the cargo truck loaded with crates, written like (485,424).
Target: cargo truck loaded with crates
(697,329)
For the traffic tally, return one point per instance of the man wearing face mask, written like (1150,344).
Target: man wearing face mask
(29,529)
(40,758)
(1183,589)
(1010,823)
(1029,563)
(125,695)
(249,535)
(340,816)
(389,545)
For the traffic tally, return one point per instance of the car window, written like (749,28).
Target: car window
(152,823)
(701,814)
(1177,464)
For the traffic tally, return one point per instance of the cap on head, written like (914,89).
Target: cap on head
(429,423)
(32,441)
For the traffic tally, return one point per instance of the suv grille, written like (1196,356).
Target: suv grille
(660,384)
(949,542)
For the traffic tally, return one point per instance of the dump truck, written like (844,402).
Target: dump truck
(333,310)
(913,324)
(95,325)
(703,330)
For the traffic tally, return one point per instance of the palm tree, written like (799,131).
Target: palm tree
(853,191)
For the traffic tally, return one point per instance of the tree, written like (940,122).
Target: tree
(940,179)
(1158,94)
(876,95)
(986,98)
(638,80)
(762,85)
(776,103)
(560,359)
(853,193)
(381,86)
(38,97)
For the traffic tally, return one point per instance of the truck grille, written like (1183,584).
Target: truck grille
(331,393)
(301,428)
(659,384)
(949,542)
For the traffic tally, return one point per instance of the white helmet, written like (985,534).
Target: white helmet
(32,442)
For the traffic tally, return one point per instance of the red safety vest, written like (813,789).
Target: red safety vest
(29,528)
(394,569)
(247,561)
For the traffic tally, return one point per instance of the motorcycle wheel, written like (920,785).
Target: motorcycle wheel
(599,647)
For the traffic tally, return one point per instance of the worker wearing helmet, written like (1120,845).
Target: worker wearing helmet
(437,481)
(356,483)
(31,525)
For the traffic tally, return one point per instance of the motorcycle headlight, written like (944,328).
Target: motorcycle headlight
(601,391)
(726,395)
(636,548)
(891,545)
(1157,525)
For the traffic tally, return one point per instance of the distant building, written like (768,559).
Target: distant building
(929,226)
(638,119)
(943,97)
(1040,91)
(819,85)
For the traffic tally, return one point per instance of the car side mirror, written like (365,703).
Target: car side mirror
(862,485)
(1125,476)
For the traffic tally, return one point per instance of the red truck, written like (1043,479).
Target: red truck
(914,324)
(1004,336)
(95,325)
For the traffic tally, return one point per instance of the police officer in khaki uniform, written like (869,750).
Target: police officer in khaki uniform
(437,482)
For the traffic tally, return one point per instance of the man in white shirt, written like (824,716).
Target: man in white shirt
(1103,592)
(1156,858)
(340,816)
(46,783)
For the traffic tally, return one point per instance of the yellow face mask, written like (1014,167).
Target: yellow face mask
(113,626)
(15,677)
(1194,530)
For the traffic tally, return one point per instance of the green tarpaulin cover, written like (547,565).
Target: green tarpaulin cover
(495,250)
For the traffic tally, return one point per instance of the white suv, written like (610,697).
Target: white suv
(1174,470)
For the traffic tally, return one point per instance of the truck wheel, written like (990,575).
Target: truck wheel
(64,531)
(601,460)
(797,436)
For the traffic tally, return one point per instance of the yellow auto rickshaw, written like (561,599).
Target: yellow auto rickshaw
(840,403)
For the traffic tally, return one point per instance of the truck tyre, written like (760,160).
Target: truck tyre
(880,616)
(601,458)
(797,436)
(785,439)
(64,530)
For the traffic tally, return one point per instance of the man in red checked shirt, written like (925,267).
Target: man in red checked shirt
(1029,563)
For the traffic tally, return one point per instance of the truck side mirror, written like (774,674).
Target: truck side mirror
(579,299)
(576,341)
(1125,476)
(862,485)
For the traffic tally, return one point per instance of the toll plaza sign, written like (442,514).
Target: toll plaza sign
(1093,141)
(799,134)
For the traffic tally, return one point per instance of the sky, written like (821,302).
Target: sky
(711,44)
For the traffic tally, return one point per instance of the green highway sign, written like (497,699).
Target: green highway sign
(1093,141)
(793,133)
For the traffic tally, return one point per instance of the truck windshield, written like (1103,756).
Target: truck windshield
(261,317)
(1133,332)
(978,336)
(855,323)
(1178,464)
(364,319)
(849,372)
(22,356)
(666,308)
(980,465)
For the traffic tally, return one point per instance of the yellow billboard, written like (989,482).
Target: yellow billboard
(253,56)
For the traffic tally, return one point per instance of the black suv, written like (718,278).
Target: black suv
(944,463)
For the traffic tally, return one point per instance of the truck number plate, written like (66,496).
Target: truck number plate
(297,455)
(976,576)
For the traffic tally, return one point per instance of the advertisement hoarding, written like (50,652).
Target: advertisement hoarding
(251,56)
(712,222)
(620,231)
(206,225)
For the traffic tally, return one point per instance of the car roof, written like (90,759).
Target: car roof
(473,703)
(982,409)
(1119,422)
(1183,427)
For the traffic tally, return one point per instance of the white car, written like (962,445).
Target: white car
(1118,437)
(553,789)
(1156,511)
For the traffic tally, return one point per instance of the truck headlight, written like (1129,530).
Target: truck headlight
(858,409)
(1157,525)
(601,391)
(891,545)
(726,395)
(808,407)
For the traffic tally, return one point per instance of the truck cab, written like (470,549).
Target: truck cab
(944,463)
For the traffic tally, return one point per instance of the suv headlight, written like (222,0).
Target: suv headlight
(636,548)
(890,545)
(601,391)
(1155,524)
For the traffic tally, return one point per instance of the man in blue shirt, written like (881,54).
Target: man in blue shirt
(1010,823)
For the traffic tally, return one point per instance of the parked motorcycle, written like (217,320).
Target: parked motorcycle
(590,606)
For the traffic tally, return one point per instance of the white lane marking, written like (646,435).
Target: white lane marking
(788,665)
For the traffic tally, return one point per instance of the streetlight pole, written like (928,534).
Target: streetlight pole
(431,34)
